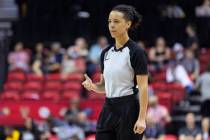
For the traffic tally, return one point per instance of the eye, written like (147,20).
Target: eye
(116,21)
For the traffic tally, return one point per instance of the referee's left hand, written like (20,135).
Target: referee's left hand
(139,126)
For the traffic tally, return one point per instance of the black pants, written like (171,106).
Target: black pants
(117,119)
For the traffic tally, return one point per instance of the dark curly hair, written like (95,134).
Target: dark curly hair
(130,14)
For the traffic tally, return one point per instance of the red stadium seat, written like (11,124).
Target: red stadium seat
(91,137)
(54,77)
(95,105)
(51,95)
(93,95)
(10,95)
(31,85)
(75,77)
(68,95)
(16,76)
(174,86)
(30,95)
(159,86)
(160,77)
(96,77)
(165,99)
(34,77)
(13,85)
(53,85)
(72,86)
(170,137)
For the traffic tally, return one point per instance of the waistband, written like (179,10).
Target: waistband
(122,99)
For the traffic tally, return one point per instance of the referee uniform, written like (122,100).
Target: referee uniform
(121,109)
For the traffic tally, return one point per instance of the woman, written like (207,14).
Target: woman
(159,55)
(124,66)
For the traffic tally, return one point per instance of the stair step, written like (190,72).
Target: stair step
(181,118)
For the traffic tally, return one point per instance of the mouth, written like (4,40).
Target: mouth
(113,31)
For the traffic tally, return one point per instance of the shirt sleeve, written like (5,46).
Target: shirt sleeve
(102,58)
(139,61)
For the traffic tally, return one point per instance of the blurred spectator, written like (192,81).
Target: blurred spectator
(12,133)
(79,49)
(205,124)
(203,84)
(141,44)
(68,66)
(154,130)
(190,131)
(96,49)
(76,116)
(158,112)
(191,33)
(177,73)
(30,131)
(203,10)
(159,55)
(95,53)
(19,58)
(178,49)
(173,11)
(191,64)
(55,57)
(39,58)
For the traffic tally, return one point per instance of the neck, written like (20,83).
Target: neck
(121,40)
(191,126)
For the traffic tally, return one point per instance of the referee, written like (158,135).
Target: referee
(124,67)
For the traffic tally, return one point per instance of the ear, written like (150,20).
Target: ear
(129,24)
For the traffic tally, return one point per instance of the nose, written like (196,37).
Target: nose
(111,25)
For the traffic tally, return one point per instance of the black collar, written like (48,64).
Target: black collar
(125,45)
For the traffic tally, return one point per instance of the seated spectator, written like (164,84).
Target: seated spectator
(30,131)
(76,116)
(177,73)
(19,58)
(79,52)
(96,49)
(141,44)
(94,55)
(178,49)
(158,112)
(190,131)
(205,124)
(203,10)
(159,55)
(55,58)
(79,49)
(173,11)
(68,66)
(191,64)
(192,42)
(154,130)
(11,133)
(39,58)
(203,84)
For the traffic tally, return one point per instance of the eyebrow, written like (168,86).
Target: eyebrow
(113,19)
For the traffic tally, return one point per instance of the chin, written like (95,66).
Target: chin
(113,36)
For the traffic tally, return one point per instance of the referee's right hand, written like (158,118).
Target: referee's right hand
(88,84)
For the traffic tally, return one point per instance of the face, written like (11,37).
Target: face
(190,119)
(189,54)
(39,47)
(81,42)
(205,123)
(160,42)
(103,41)
(118,25)
(19,46)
